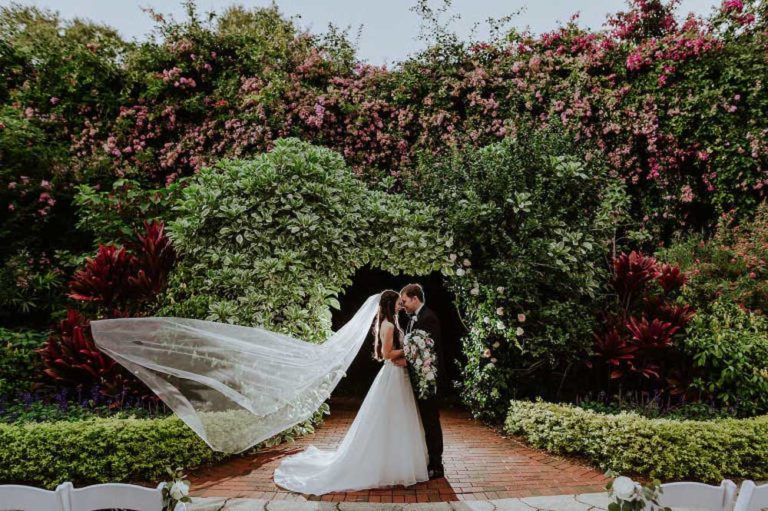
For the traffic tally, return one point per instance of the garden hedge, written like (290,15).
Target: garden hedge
(660,448)
(109,450)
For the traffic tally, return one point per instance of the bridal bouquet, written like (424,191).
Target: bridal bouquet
(419,351)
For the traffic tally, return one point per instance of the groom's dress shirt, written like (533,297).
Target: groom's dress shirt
(414,318)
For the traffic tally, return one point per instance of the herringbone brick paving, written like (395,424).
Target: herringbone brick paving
(479,464)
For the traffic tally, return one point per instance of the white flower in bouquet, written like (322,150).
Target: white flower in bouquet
(467,263)
(500,325)
(500,289)
(419,354)
(496,344)
(179,490)
(460,272)
(519,331)
(474,291)
(500,311)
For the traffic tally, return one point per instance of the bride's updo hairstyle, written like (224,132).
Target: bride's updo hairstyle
(387,304)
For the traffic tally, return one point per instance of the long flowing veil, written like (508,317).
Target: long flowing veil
(235,386)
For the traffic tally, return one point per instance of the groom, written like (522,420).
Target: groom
(421,317)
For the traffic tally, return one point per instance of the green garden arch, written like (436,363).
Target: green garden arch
(272,241)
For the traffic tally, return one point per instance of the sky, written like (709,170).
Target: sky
(388,29)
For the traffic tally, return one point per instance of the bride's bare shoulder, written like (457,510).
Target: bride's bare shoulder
(387,324)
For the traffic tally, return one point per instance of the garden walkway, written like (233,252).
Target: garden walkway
(479,463)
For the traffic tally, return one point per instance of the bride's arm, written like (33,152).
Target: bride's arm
(387,342)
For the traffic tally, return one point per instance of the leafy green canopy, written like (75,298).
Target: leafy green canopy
(272,241)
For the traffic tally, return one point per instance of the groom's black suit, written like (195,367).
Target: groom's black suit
(429,408)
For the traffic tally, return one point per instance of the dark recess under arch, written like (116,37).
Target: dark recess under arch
(368,281)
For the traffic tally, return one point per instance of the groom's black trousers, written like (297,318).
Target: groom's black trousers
(429,410)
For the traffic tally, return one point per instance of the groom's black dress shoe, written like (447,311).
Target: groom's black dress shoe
(436,474)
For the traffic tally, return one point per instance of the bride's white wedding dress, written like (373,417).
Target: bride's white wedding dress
(384,446)
(236,386)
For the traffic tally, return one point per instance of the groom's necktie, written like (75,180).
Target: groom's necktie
(411,322)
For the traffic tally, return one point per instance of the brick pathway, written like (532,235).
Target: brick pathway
(479,464)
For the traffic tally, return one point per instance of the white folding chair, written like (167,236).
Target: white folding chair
(115,495)
(14,497)
(697,496)
(751,497)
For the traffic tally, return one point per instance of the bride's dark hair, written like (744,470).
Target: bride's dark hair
(387,304)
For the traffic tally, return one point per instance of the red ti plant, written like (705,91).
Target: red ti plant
(637,338)
(154,259)
(71,359)
(105,278)
(614,350)
(670,278)
(122,280)
(631,274)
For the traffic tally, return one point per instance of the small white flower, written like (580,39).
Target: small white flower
(519,331)
(486,320)
(500,311)
(493,361)
(467,263)
(452,258)
(500,325)
(521,317)
(474,291)
(487,353)
(179,490)
(500,289)
(496,344)
(624,488)
(460,272)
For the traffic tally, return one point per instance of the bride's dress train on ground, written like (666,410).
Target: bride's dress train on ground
(384,446)
(235,386)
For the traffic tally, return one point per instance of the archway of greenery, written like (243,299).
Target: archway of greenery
(274,240)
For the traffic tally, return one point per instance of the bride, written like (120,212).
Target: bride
(385,444)
(238,386)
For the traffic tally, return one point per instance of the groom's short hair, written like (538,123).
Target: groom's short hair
(413,291)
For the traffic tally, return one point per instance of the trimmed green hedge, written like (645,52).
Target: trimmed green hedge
(660,448)
(109,450)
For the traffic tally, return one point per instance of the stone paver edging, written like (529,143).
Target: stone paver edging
(582,502)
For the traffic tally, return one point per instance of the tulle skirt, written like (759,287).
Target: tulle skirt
(384,446)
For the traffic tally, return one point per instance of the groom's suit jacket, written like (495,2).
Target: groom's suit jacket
(427,320)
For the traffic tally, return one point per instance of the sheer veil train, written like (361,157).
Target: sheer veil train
(235,386)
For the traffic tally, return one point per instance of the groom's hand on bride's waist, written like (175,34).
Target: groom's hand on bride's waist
(400,362)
